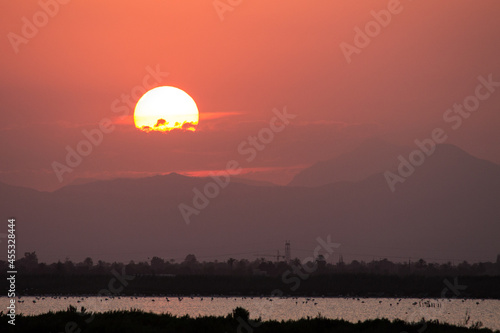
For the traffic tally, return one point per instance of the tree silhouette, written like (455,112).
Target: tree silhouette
(88,262)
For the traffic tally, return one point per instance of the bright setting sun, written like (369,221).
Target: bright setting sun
(164,109)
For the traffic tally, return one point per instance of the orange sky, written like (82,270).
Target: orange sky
(263,55)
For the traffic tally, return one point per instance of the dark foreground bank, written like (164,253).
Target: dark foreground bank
(359,285)
(73,320)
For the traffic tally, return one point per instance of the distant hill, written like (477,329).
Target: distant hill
(81,181)
(373,156)
(251,182)
(447,208)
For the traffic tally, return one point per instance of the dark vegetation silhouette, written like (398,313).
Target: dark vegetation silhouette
(29,264)
(138,321)
(381,278)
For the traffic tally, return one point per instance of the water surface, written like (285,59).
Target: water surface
(453,311)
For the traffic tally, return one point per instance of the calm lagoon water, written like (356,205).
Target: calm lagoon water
(452,311)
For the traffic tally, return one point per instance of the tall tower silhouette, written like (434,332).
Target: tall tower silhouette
(288,254)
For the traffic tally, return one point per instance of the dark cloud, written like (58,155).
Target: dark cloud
(161,122)
(188,125)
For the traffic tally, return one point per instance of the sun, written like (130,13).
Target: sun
(165,109)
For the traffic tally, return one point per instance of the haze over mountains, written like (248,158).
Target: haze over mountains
(369,158)
(447,209)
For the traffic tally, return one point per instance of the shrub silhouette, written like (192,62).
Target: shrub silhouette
(242,313)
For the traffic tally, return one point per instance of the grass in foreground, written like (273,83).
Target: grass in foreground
(75,321)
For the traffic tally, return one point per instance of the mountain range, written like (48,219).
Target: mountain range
(446,210)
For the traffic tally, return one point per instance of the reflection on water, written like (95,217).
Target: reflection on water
(452,311)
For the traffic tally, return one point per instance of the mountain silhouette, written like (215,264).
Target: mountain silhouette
(448,208)
(372,156)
